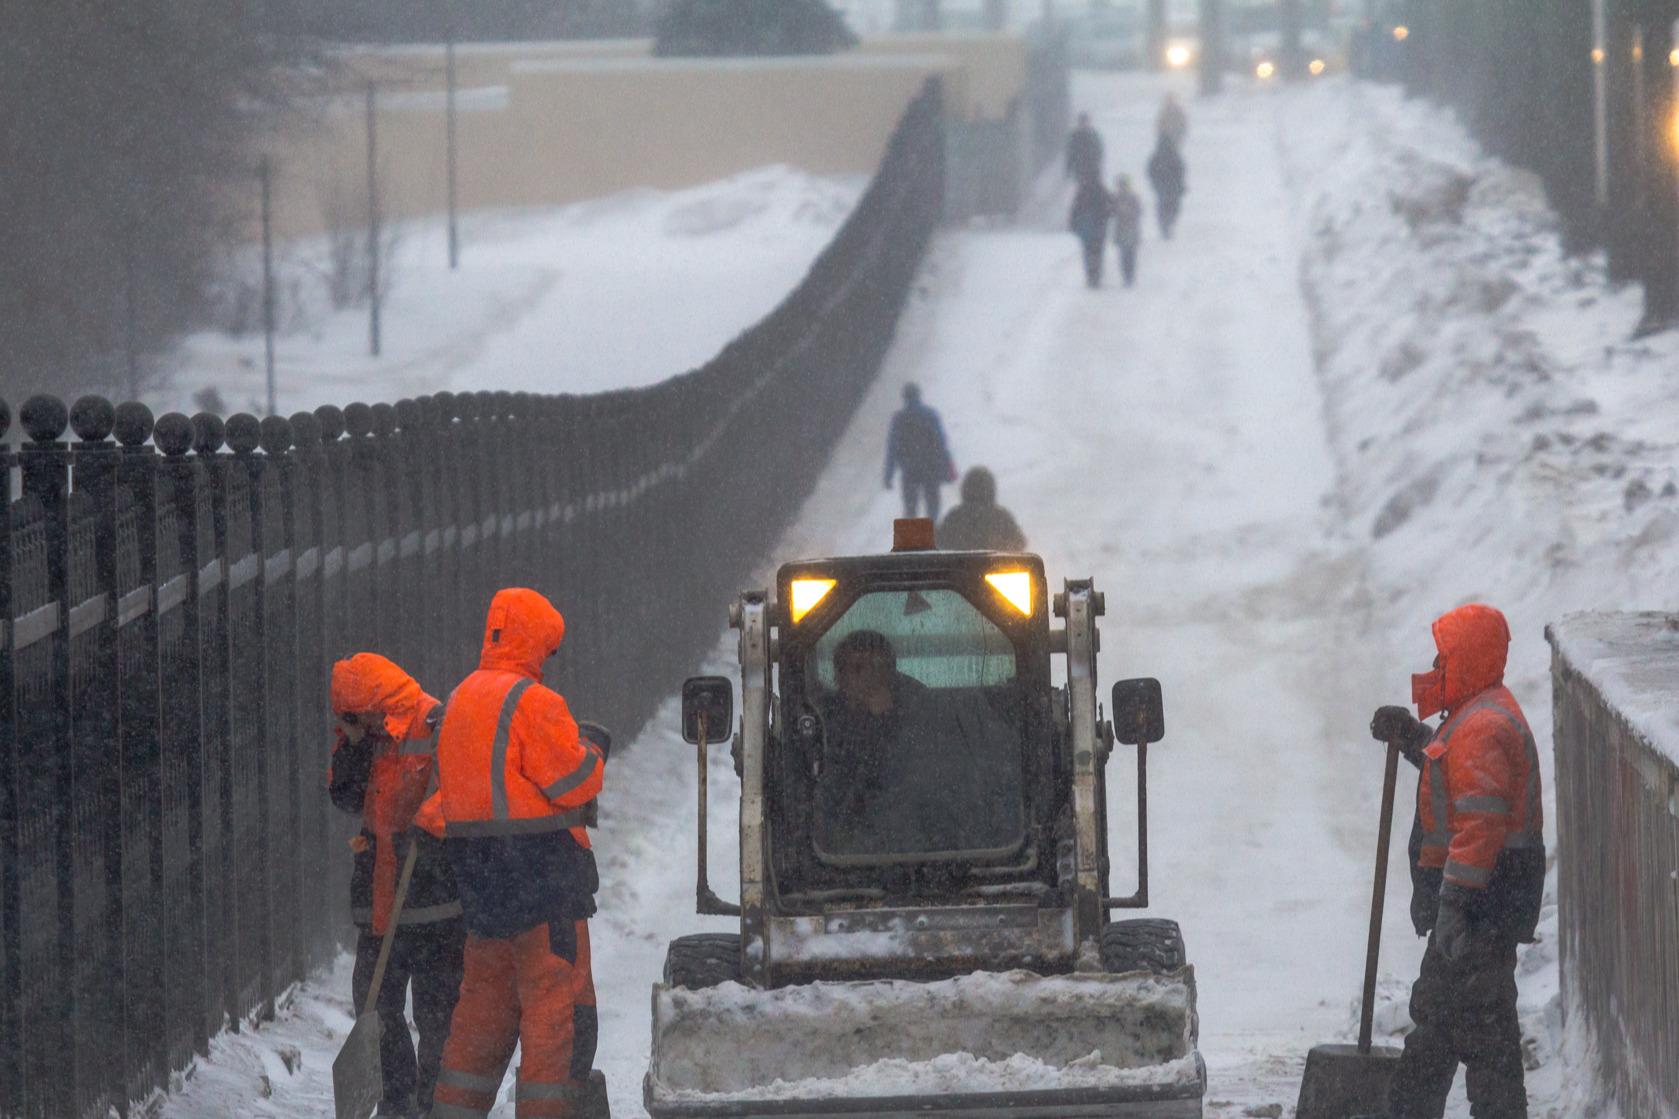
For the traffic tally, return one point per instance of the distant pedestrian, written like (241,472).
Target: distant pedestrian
(1128,227)
(979,524)
(1173,122)
(1169,177)
(1088,219)
(916,449)
(1084,153)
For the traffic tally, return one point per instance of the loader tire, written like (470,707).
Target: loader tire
(703,960)
(1145,944)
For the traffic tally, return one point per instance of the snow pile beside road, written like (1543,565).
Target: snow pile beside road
(976,1033)
(612,293)
(1498,435)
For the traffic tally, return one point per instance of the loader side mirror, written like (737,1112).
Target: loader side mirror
(1139,714)
(710,699)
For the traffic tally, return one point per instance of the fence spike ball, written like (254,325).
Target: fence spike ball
(331,418)
(134,424)
(431,413)
(305,430)
(446,405)
(208,433)
(173,434)
(358,420)
(504,403)
(486,404)
(384,420)
(275,435)
(407,414)
(44,418)
(467,405)
(244,433)
(92,417)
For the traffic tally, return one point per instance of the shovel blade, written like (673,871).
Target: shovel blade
(1340,1081)
(358,1081)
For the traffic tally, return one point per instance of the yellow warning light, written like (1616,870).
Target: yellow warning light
(1177,56)
(807,593)
(1264,71)
(1015,587)
(1317,67)
(1598,55)
(1401,33)
(1673,57)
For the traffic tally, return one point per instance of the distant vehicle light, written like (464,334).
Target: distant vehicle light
(1597,55)
(1673,57)
(1265,71)
(806,594)
(1317,67)
(1177,56)
(1015,587)
(1401,33)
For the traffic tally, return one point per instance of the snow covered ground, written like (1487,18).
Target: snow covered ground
(1360,387)
(621,291)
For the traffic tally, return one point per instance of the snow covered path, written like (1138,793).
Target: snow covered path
(1170,441)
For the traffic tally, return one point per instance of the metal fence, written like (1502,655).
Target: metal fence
(1618,866)
(173,601)
(1582,92)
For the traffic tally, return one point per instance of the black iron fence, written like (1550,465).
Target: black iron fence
(172,602)
(1582,92)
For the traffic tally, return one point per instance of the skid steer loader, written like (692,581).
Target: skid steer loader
(924,906)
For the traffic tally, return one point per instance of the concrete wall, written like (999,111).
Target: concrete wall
(1615,686)
(552,123)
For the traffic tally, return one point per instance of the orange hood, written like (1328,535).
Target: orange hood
(1474,644)
(522,630)
(369,682)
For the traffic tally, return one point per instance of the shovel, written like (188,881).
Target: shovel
(358,1080)
(1349,1080)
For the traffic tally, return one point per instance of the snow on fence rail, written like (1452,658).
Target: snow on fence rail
(168,860)
(1615,683)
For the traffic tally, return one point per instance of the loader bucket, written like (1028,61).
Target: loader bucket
(982,1044)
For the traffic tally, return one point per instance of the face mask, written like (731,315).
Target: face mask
(1428,692)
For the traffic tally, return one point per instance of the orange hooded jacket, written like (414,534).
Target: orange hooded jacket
(389,786)
(1480,794)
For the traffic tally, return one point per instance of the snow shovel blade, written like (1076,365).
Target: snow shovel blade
(358,1082)
(981,1044)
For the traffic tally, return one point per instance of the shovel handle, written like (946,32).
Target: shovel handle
(390,926)
(1367,1011)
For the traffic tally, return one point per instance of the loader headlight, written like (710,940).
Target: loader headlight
(1317,67)
(807,593)
(1015,587)
(1265,71)
(1178,56)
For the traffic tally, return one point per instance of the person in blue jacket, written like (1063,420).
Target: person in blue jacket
(916,448)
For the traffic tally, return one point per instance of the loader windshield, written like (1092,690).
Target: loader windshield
(921,732)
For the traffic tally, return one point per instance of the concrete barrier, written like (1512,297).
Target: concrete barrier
(545,124)
(1615,683)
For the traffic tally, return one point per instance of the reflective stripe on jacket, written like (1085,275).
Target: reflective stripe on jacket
(1480,789)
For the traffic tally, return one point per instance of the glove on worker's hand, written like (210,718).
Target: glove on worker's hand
(1396,724)
(597,734)
(1453,934)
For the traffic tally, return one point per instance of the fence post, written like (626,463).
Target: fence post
(182,719)
(335,640)
(11,989)
(304,484)
(48,924)
(278,582)
(145,961)
(394,553)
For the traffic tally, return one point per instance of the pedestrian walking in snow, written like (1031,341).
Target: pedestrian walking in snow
(916,449)
(383,764)
(516,778)
(1477,870)
(1173,122)
(978,523)
(1084,153)
(1128,227)
(1169,177)
(1088,219)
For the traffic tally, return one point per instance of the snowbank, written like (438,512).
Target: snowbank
(975,1033)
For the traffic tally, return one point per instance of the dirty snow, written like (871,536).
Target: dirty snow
(1362,385)
(616,292)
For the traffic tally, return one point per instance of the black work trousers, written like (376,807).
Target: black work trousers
(431,957)
(920,494)
(1465,1013)
(1093,252)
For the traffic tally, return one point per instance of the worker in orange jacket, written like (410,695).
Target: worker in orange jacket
(383,765)
(1477,870)
(516,778)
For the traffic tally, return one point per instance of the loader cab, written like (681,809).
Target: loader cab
(916,756)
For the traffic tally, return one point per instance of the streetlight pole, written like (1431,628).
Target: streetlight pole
(449,116)
(266,174)
(372,221)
